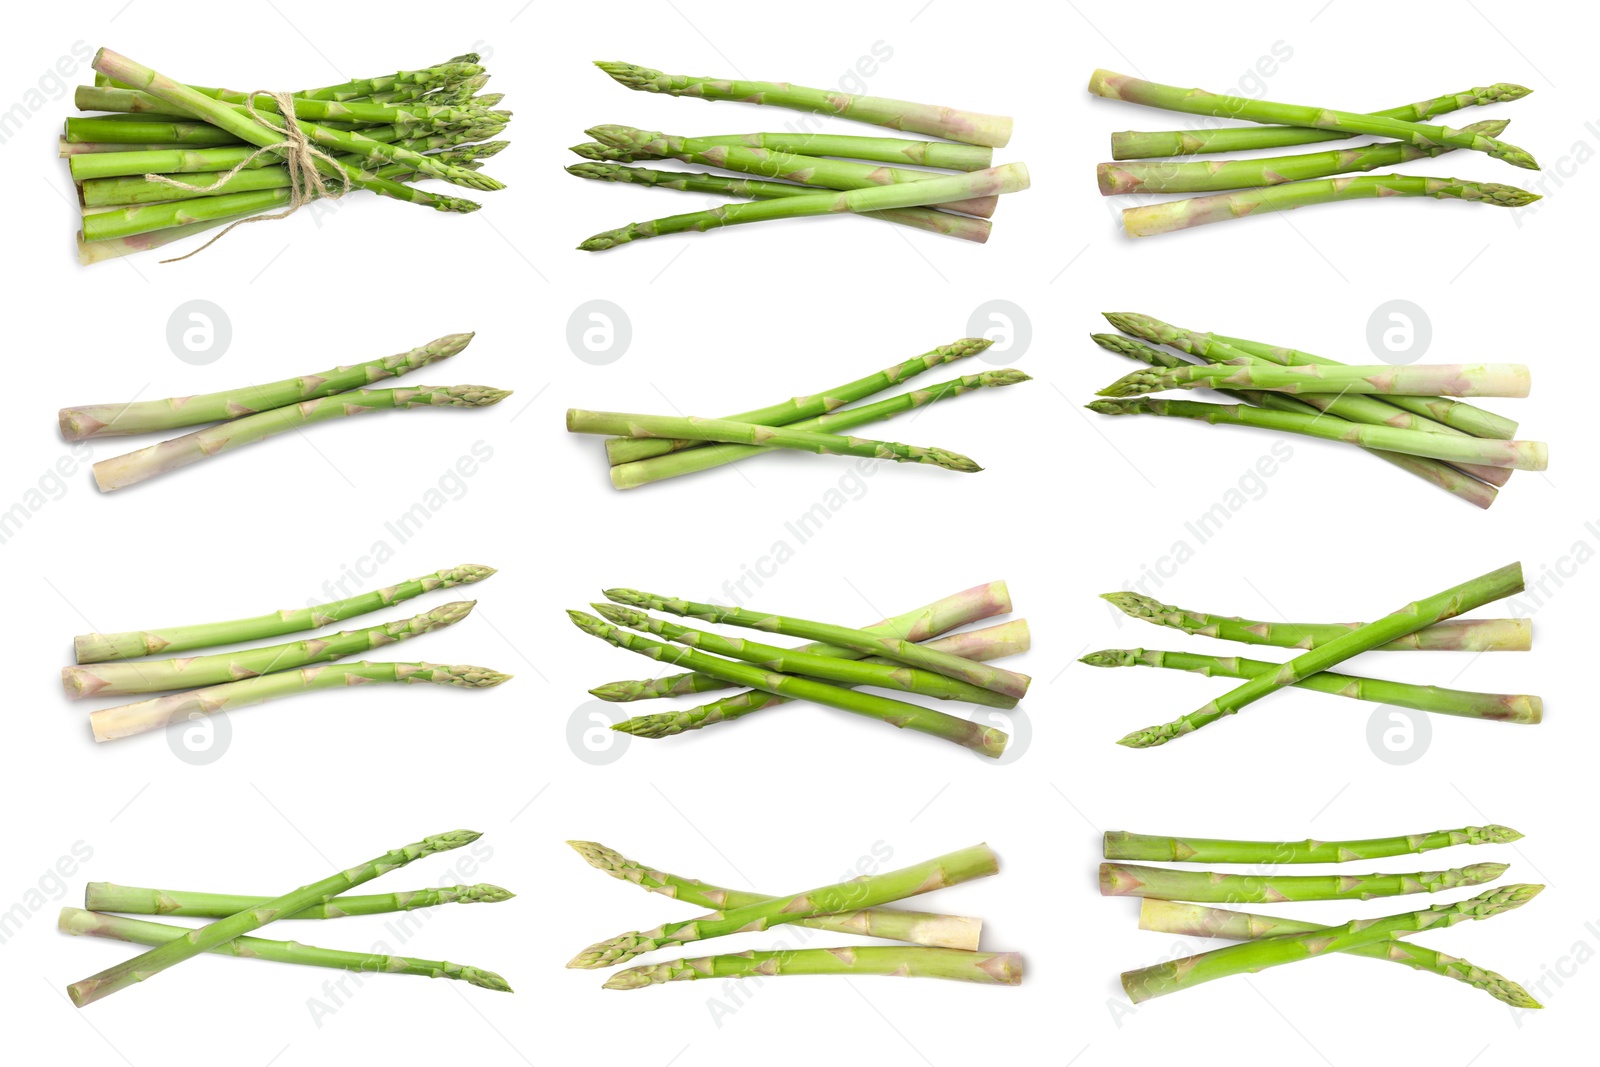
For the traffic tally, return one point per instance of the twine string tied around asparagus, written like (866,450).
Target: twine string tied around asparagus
(300,157)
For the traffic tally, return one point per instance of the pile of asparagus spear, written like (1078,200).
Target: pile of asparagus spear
(1270,941)
(237,916)
(1405,415)
(113,664)
(169,161)
(1281,183)
(915,653)
(937,186)
(650,448)
(255,412)
(1430,624)
(939,946)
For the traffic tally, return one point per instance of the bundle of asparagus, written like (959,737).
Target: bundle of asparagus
(208,684)
(939,946)
(256,412)
(650,448)
(785,167)
(1402,414)
(1270,940)
(915,653)
(236,916)
(1282,183)
(1429,624)
(168,160)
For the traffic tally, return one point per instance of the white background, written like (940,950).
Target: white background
(1070,506)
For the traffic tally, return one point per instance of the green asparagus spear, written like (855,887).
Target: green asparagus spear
(1484,589)
(1193,920)
(205,938)
(968,127)
(452,72)
(642,472)
(1417,379)
(135,900)
(1197,102)
(989,643)
(1121,845)
(616,423)
(147,416)
(120,679)
(920,624)
(148,131)
(1447,635)
(984,740)
(1255,956)
(898,649)
(916,927)
(937,154)
(825,668)
(1137,145)
(109,724)
(122,471)
(965,227)
(135,102)
(1152,219)
(867,891)
(1496,707)
(1518,455)
(98,648)
(1008,178)
(1212,887)
(140,932)
(990,968)
(797,409)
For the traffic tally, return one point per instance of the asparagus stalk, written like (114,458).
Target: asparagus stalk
(615,423)
(78,922)
(916,927)
(91,252)
(452,72)
(1495,707)
(824,668)
(898,649)
(122,471)
(147,416)
(120,679)
(1212,887)
(1418,379)
(800,408)
(222,931)
(136,900)
(965,227)
(991,968)
(867,891)
(1254,956)
(241,126)
(1209,177)
(122,222)
(986,741)
(97,648)
(66,149)
(989,643)
(937,154)
(630,144)
(1484,589)
(1399,411)
(1198,102)
(1345,409)
(1192,920)
(1009,178)
(1152,219)
(148,130)
(1137,145)
(642,472)
(1446,635)
(919,624)
(111,724)
(134,102)
(1121,845)
(1518,455)
(968,127)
